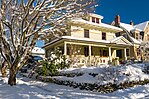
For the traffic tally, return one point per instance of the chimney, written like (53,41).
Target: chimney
(131,23)
(117,20)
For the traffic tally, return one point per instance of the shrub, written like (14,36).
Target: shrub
(56,61)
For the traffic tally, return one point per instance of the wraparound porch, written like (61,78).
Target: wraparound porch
(92,54)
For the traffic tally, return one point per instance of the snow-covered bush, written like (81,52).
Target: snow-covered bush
(55,62)
(58,59)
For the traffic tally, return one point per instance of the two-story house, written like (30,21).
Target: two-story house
(91,41)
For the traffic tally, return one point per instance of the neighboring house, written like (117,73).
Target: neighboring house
(133,33)
(145,30)
(38,52)
(91,41)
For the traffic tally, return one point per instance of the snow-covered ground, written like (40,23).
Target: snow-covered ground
(31,89)
(106,74)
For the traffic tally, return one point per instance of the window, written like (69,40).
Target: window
(86,51)
(137,36)
(93,19)
(104,53)
(97,20)
(86,33)
(138,52)
(68,51)
(127,52)
(103,36)
(118,34)
(148,37)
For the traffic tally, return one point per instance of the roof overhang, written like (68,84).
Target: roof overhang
(119,41)
(102,26)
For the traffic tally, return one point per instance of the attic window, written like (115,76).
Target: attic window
(97,20)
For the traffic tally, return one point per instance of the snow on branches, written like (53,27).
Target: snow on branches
(22,22)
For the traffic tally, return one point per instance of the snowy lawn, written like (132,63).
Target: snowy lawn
(31,89)
(106,74)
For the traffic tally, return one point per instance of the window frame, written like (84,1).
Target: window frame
(97,20)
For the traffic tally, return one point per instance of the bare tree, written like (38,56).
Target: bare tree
(22,22)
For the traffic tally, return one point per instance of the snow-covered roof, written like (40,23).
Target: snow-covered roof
(37,50)
(145,44)
(101,25)
(96,15)
(125,41)
(128,27)
(142,26)
(135,40)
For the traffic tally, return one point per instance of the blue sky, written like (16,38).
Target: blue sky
(135,10)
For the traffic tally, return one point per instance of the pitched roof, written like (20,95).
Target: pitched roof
(142,26)
(127,26)
(135,40)
(37,50)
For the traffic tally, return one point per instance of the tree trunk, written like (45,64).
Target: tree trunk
(12,77)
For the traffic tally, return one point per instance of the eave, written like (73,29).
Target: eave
(102,26)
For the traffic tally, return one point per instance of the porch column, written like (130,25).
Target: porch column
(65,48)
(90,53)
(110,58)
(125,55)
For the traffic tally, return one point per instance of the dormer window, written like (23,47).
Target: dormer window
(95,20)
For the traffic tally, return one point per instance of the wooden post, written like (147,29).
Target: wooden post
(125,54)
(90,53)
(65,48)
(110,58)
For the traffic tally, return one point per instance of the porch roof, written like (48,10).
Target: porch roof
(116,41)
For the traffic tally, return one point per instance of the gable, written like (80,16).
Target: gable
(121,40)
